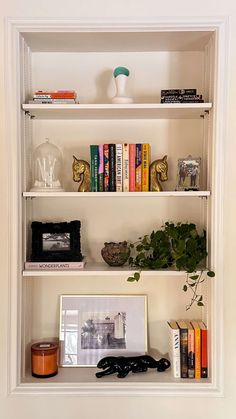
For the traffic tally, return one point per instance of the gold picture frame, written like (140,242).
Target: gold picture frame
(95,326)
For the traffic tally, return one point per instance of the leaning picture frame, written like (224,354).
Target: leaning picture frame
(56,242)
(95,326)
(188,174)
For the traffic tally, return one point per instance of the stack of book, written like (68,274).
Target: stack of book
(56,96)
(181,96)
(188,349)
(120,167)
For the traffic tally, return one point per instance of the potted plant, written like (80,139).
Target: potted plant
(175,245)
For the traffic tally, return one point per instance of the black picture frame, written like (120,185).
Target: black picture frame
(56,242)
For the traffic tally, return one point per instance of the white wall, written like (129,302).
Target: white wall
(151,407)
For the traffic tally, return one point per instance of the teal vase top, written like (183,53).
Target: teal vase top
(121,70)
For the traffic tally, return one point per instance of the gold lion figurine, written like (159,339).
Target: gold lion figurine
(158,171)
(81,174)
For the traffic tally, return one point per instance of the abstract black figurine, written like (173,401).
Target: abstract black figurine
(123,365)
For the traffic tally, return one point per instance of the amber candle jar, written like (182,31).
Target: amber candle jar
(44,359)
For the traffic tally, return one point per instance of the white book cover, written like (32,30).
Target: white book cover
(54,266)
(119,167)
(125,167)
(174,348)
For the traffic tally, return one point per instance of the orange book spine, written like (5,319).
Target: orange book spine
(132,152)
(145,167)
(197,344)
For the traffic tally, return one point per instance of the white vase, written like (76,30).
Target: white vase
(121,96)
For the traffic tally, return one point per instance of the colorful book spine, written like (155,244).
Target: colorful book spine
(106,167)
(112,167)
(197,344)
(145,167)
(119,168)
(54,266)
(183,348)
(125,167)
(204,349)
(191,351)
(174,348)
(138,168)
(94,161)
(100,169)
(132,154)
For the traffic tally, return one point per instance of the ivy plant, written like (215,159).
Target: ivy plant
(177,246)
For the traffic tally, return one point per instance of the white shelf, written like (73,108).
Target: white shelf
(185,194)
(113,111)
(101,269)
(83,381)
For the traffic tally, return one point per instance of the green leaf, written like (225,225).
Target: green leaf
(136,276)
(194,277)
(200,303)
(211,274)
(185,288)
(131,279)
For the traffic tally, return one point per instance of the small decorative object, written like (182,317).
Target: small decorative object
(158,171)
(47,168)
(178,246)
(56,242)
(115,254)
(44,359)
(102,325)
(188,174)
(121,74)
(123,365)
(81,174)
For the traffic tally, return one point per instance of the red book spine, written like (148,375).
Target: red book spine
(204,372)
(132,154)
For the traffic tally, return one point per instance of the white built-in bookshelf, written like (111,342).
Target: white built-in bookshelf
(81,56)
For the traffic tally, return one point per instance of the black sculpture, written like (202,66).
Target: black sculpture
(123,365)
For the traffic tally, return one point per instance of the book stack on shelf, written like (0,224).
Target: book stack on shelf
(120,167)
(180,96)
(54,97)
(188,349)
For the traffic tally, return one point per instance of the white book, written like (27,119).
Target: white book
(125,167)
(54,266)
(119,167)
(174,348)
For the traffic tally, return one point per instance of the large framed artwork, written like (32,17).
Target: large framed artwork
(94,326)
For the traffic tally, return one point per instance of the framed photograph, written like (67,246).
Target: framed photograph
(56,242)
(188,174)
(95,326)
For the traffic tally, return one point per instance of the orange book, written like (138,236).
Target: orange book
(197,345)
(145,167)
(132,153)
(204,360)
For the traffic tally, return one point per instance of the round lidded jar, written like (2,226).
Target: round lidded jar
(47,168)
(44,359)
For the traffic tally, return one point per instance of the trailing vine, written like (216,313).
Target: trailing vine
(177,246)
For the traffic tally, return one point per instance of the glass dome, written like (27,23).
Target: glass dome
(47,168)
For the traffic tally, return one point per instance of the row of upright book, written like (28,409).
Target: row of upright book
(120,167)
(188,349)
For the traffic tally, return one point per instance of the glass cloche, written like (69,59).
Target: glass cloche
(47,168)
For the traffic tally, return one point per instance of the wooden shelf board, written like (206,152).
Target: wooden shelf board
(165,194)
(116,111)
(101,269)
